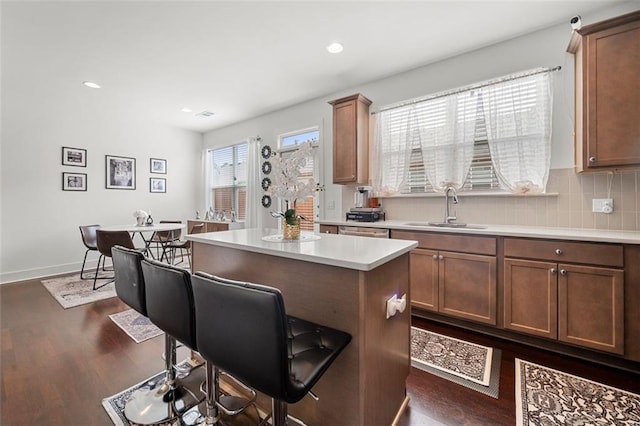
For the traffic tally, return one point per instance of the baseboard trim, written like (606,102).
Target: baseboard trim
(48,271)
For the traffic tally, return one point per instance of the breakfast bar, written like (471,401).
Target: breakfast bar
(342,282)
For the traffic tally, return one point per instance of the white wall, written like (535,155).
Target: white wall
(39,221)
(545,48)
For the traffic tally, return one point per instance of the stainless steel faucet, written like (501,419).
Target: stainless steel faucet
(447,217)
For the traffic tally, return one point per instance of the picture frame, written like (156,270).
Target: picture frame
(74,181)
(158,166)
(158,185)
(120,172)
(76,157)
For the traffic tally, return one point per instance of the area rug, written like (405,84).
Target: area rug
(137,326)
(468,364)
(71,291)
(549,397)
(114,405)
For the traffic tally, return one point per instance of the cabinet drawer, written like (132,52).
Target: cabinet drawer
(448,242)
(565,251)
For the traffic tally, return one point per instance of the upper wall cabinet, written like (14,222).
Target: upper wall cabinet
(351,140)
(607,66)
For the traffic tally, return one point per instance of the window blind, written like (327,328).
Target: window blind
(229,178)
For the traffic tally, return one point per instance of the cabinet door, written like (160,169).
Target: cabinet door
(612,96)
(467,286)
(531,297)
(423,279)
(345,149)
(591,307)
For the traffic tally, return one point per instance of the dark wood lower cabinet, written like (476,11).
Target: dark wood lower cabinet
(423,279)
(467,286)
(591,307)
(581,305)
(531,297)
(456,284)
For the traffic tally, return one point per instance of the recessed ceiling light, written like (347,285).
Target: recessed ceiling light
(185,109)
(335,47)
(91,84)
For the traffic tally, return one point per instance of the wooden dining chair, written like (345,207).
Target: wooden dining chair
(160,239)
(181,245)
(105,241)
(88,233)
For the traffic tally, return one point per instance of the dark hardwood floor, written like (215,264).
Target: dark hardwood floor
(57,365)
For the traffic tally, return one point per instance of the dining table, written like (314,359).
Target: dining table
(147,233)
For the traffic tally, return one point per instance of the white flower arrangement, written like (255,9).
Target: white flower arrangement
(140,216)
(286,183)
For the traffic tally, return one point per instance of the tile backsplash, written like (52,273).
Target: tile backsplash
(570,208)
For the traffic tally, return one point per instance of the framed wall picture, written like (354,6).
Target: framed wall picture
(74,181)
(120,172)
(157,185)
(158,166)
(74,157)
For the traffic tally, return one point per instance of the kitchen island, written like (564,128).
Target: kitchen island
(342,282)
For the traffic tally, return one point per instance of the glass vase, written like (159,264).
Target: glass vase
(290,232)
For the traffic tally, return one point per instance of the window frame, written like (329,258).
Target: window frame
(317,167)
(236,189)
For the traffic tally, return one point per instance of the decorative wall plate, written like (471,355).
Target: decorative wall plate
(266,201)
(266,167)
(266,183)
(266,152)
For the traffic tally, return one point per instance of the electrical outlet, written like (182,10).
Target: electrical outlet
(331,205)
(602,205)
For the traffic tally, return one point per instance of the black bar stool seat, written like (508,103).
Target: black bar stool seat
(244,330)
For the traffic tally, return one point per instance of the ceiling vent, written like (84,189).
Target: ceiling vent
(205,114)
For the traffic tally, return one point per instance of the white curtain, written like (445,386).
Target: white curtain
(253,217)
(447,138)
(518,119)
(207,170)
(392,150)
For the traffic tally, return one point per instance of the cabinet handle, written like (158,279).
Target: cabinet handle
(435,257)
(563,272)
(592,159)
(553,271)
(558,252)
(440,257)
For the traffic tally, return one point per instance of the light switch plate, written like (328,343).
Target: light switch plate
(602,205)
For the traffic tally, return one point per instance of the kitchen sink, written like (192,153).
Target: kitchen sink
(446,225)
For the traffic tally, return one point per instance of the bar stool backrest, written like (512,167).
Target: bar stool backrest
(242,329)
(169,299)
(130,285)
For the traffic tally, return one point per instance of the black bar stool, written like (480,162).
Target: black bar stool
(170,306)
(130,288)
(233,319)
(169,302)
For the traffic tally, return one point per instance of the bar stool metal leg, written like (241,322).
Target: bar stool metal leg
(279,412)
(212,389)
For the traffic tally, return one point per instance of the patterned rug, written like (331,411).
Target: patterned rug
(114,405)
(549,397)
(468,364)
(137,326)
(71,291)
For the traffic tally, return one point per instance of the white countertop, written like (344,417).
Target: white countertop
(623,237)
(360,253)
